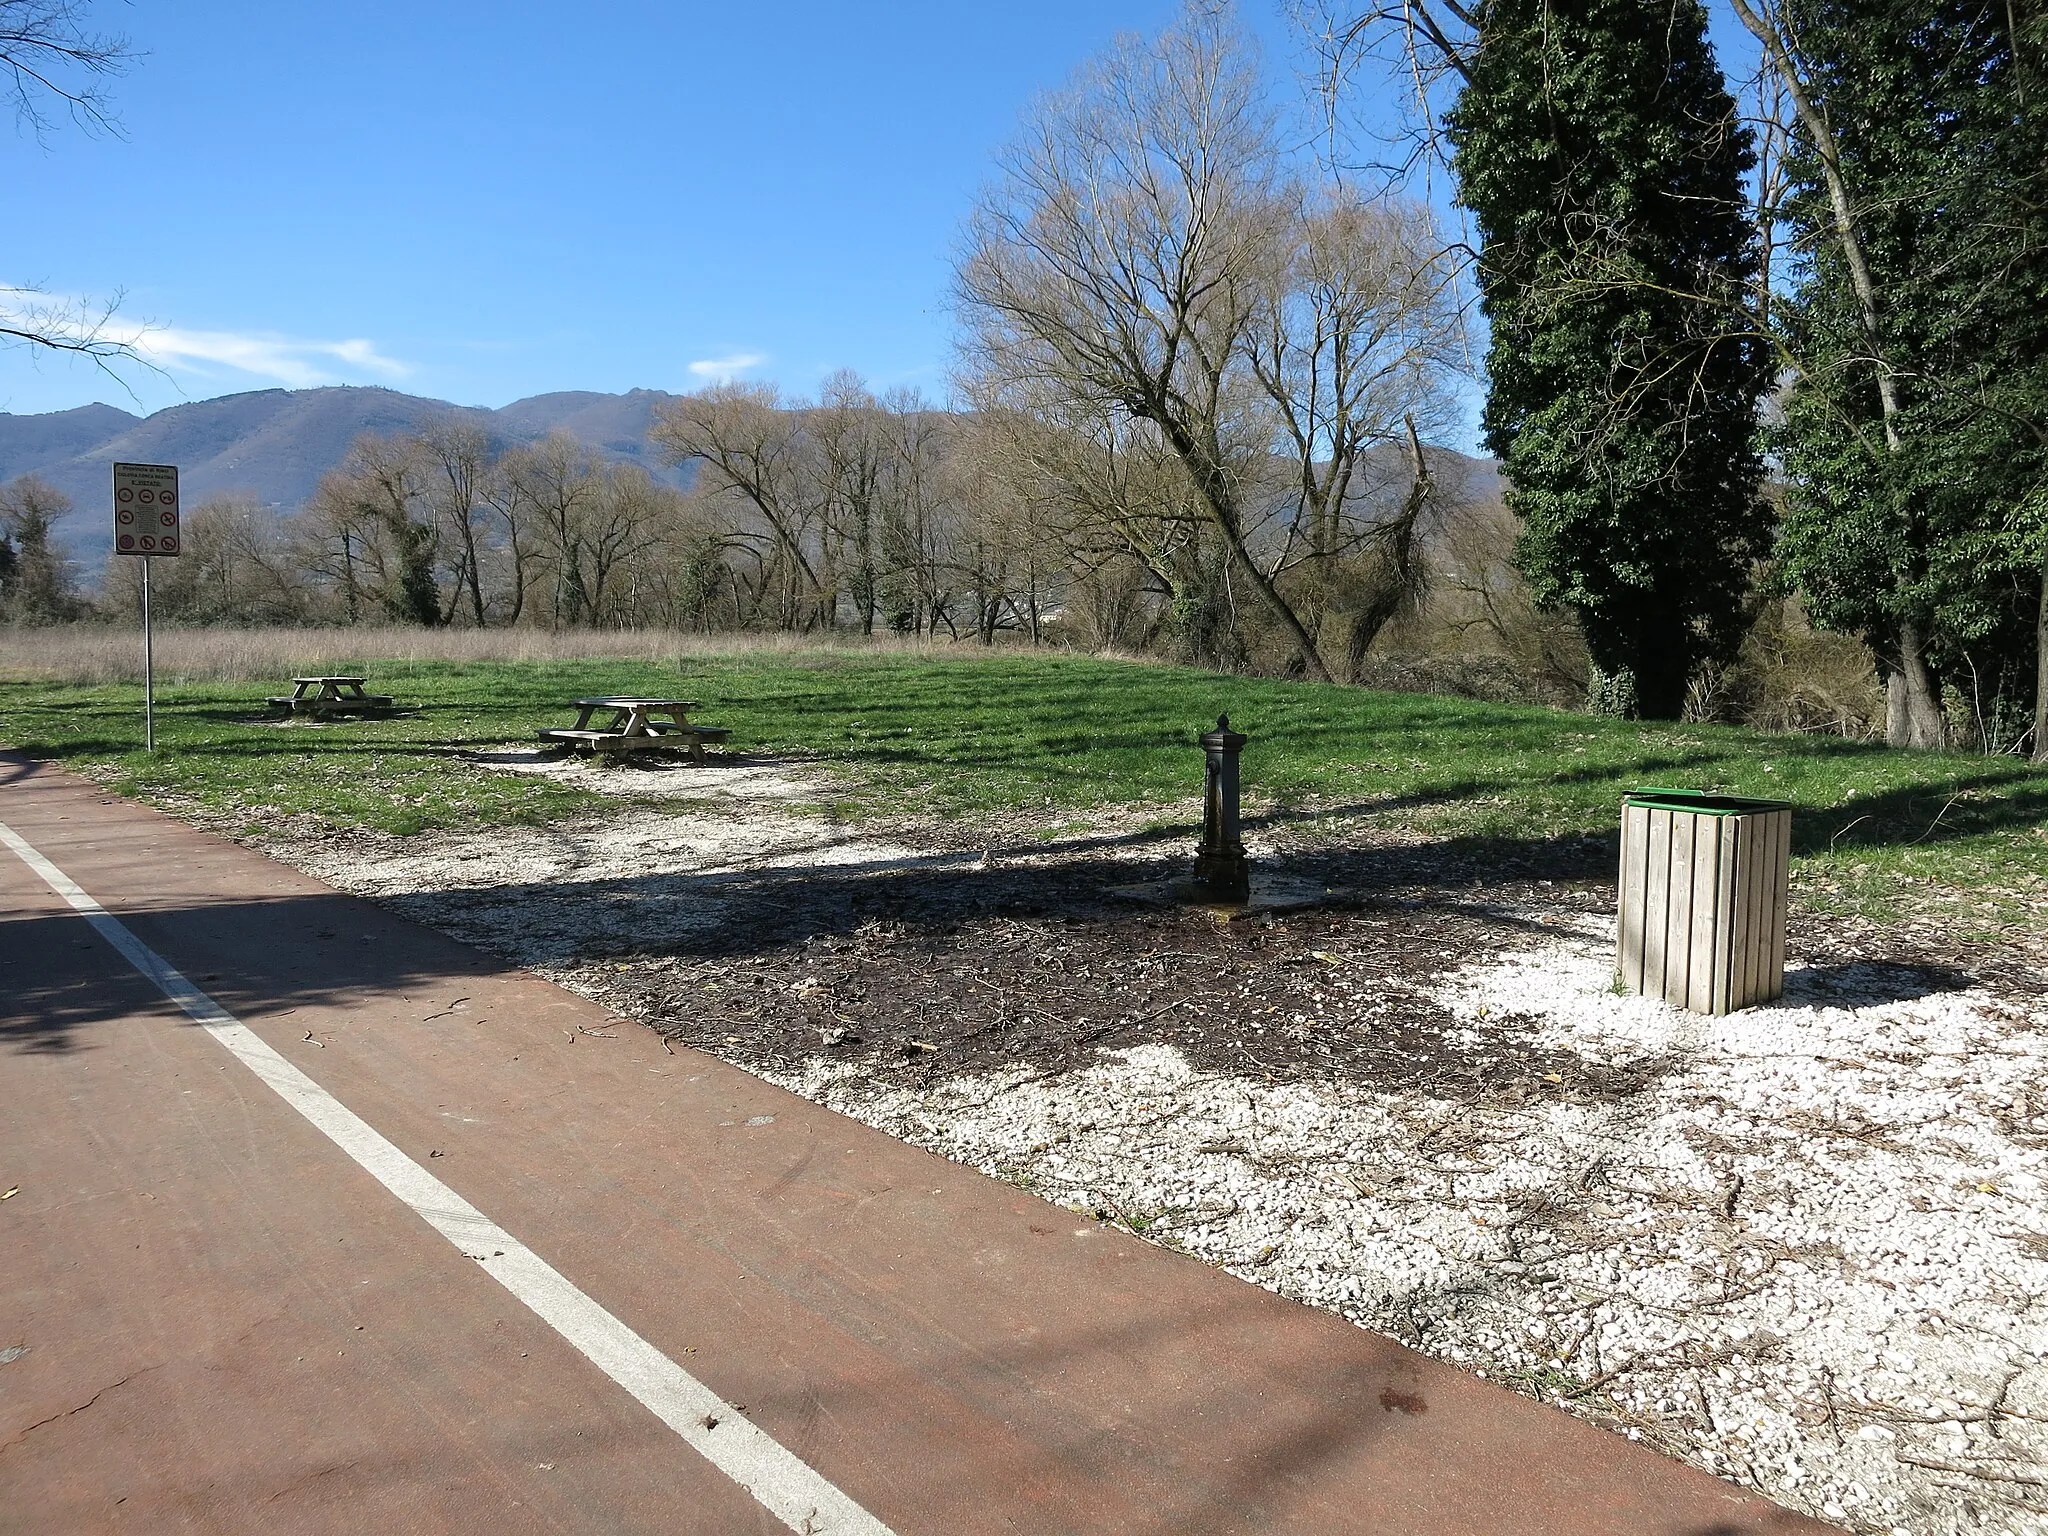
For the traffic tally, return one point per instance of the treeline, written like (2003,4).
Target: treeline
(850,513)
(847,513)
(841,513)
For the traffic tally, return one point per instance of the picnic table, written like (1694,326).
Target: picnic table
(331,696)
(636,725)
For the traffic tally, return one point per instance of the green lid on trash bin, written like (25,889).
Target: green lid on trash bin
(1701,802)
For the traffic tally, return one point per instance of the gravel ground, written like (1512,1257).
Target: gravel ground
(1804,1246)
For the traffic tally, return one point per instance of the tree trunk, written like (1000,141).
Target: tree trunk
(518,582)
(1281,609)
(2041,669)
(1913,714)
(348,574)
(1400,578)
(1663,670)
(476,590)
(1219,502)
(455,597)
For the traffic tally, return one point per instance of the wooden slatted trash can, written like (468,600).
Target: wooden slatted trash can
(1703,892)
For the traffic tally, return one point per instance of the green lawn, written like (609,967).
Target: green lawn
(1068,734)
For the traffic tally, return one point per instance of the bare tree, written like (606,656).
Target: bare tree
(682,576)
(919,503)
(625,520)
(1425,47)
(851,447)
(1357,334)
(83,328)
(373,530)
(1482,595)
(1149,279)
(51,57)
(1113,499)
(559,483)
(236,566)
(752,451)
(509,511)
(1121,257)
(459,454)
(49,54)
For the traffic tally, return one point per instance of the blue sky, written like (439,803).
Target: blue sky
(482,201)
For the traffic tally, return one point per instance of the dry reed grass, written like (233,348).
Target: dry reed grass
(91,654)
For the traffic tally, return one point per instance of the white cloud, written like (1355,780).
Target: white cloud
(723,370)
(300,364)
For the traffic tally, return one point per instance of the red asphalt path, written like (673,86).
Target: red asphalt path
(212,1319)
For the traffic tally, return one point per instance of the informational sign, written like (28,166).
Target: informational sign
(146,509)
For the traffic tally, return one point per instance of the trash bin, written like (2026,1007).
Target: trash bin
(1703,885)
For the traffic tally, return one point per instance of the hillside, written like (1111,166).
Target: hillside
(274,444)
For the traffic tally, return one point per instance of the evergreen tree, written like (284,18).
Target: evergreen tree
(35,577)
(1598,149)
(1916,526)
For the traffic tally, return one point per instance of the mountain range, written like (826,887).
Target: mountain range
(274,444)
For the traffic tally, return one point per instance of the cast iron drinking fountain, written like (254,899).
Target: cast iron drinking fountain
(1222,872)
(1224,879)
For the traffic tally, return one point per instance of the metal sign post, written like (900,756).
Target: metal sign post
(148,669)
(146,525)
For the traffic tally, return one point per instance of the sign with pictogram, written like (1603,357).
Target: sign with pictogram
(146,509)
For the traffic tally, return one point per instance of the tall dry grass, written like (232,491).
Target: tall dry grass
(92,654)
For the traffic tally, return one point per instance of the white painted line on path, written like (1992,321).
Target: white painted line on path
(791,1491)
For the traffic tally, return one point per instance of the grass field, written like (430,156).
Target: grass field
(953,734)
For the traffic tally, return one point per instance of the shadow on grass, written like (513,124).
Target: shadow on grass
(1989,801)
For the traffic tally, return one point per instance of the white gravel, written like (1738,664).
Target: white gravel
(1811,1257)
(639,881)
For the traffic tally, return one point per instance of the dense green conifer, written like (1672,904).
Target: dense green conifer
(1600,154)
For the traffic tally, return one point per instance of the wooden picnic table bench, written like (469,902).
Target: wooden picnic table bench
(331,695)
(637,725)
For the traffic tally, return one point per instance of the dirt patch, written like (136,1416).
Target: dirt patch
(968,974)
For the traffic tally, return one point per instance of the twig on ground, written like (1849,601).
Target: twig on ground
(1952,799)
(1977,1469)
